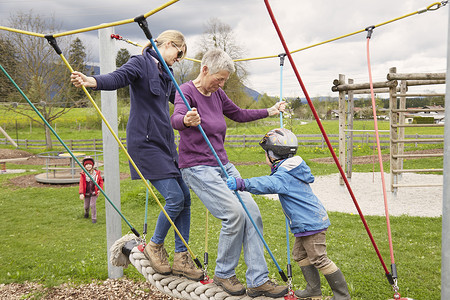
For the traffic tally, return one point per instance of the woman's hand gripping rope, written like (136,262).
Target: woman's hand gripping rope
(192,118)
(277,108)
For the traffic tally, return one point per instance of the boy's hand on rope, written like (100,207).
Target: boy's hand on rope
(78,79)
(192,118)
(235,183)
(277,108)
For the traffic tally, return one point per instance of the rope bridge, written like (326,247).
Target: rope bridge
(129,250)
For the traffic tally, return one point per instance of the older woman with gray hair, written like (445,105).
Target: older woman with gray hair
(204,176)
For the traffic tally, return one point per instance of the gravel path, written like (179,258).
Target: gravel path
(367,188)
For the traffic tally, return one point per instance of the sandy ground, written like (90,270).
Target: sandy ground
(367,188)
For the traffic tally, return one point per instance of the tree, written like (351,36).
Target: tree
(8,60)
(183,71)
(123,55)
(40,72)
(220,35)
(77,59)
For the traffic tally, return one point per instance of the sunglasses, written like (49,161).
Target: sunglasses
(180,52)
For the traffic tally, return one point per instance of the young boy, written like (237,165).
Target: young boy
(308,219)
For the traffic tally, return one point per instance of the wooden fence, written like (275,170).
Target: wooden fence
(307,140)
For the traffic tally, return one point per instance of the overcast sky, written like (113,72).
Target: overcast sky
(415,44)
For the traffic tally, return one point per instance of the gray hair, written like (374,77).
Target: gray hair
(217,60)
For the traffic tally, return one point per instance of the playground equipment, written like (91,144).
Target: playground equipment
(397,87)
(61,168)
(141,21)
(129,250)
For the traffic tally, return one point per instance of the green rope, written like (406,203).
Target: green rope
(68,150)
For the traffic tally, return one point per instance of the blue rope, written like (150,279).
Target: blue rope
(282,56)
(216,156)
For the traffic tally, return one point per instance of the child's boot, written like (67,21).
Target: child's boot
(184,266)
(313,289)
(338,285)
(158,257)
(86,212)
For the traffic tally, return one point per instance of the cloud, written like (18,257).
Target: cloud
(413,44)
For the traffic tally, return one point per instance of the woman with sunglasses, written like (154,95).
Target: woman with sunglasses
(150,142)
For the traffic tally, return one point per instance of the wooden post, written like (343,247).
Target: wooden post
(401,121)
(341,127)
(393,120)
(8,137)
(110,150)
(350,111)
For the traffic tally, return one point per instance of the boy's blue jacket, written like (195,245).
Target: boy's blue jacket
(290,180)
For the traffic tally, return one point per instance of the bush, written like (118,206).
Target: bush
(423,120)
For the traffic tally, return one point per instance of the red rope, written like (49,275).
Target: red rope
(319,123)
(380,159)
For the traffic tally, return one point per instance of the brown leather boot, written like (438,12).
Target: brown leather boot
(158,257)
(230,285)
(184,266)
(268,289)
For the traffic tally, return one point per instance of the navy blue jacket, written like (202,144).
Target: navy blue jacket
(290,180)
(150,137)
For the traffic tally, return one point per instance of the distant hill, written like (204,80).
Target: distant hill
(252,93)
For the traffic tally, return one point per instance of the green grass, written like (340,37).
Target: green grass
(46,239)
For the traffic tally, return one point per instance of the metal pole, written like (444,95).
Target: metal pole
(445,250)
(110,149)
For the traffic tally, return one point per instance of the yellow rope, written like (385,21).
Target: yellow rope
(22,31)
(114,23)
(130,159)
(431,7)
(93,28)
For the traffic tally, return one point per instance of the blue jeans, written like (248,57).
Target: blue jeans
(178,207)
(209,184)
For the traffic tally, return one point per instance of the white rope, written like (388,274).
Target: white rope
(174,286)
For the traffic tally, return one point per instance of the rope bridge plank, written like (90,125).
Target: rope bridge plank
(174,286)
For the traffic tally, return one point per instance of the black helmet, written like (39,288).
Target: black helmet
(280,143)
(88,159)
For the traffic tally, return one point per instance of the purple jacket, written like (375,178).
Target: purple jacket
(150,137)
(193,149)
